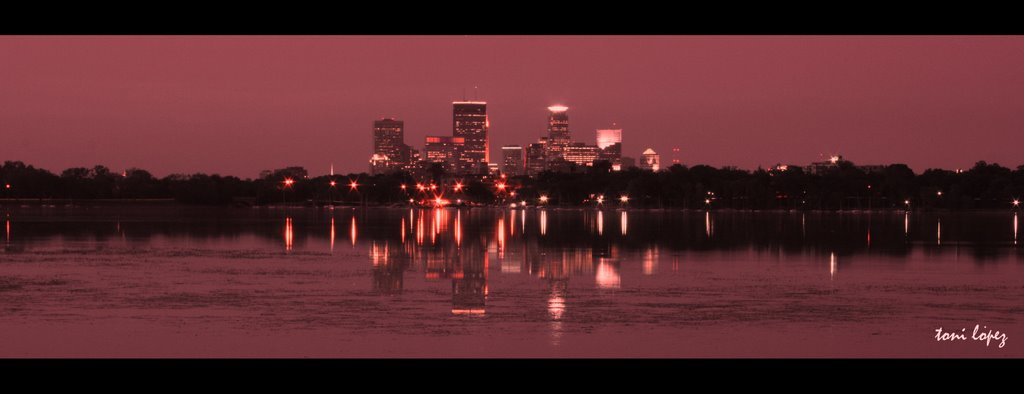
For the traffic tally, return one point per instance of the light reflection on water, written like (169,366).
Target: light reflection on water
(564,274)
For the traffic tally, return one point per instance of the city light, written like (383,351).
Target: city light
(707,201)
(513,194)
(543,199)
(8,186)
(600,199)
(287,182)
(624,199)
(433,186)
(939,193)
(522,203)
(420,186)
(403,186)
(333,183)
(558,108)
(500,186)
(458,186)
(1016,202)
(352,185)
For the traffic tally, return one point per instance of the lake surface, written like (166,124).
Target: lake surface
(399,282)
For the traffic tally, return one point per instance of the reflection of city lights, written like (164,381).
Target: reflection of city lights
(832,266)
(288,234)
(353,231)
(607,277)
(468,311)
(332,234)
(600,222)
(543,222)
(624,222)
(556,306)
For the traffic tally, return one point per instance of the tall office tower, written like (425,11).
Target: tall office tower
(444,149)
(651,160)
(469,121)
(536,161)
(389,142)
(610,143)
(513,163)
(558,130)
(581,154)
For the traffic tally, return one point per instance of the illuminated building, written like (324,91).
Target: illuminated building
(651,160)
(443,149)
(513,162)
(469,122)
(558,130)
(580,153)
(379,164)
(389,142)
(610,143)
(536,161)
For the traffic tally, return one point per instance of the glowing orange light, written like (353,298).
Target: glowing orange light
(288,182)
(939,193)
(352,185)
(458,186)
(522,203)
(543,199)
(624,199)
(433,186)
(500,186)
(1016,203)
(558,108)
(403,186)
(333,183)
(513,194)
(600,199)
(707,201)
(411,201)
(907,202)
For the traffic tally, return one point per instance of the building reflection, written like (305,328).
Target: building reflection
(607,276)
(543,222)
(832,266)
(332,234)
(353,230)
(389,267)
(650,260)
(624,222)
(1014,228)
(289,234)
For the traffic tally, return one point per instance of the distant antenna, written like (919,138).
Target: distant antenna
(475,96)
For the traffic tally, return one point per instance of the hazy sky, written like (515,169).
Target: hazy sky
(238,105)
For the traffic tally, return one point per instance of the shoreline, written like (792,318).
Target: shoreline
(162,202)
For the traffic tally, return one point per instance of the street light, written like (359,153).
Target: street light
(600,199)
(458,186)
(1016,203)
(543,199)
(907,203)
(287,183)
(624,199)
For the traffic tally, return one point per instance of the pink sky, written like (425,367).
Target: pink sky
(238,105)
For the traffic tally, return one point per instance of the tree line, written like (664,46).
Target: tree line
(843,187)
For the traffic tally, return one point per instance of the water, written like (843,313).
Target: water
(177,281)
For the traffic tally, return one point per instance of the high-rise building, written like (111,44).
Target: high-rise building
(608,137)
(512,160)
(469,121)
(389,143)
(651,160)
(580,153)
(444,149)
(610,142)
(536,161)
(558,130)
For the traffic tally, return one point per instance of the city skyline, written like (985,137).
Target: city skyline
(179,104)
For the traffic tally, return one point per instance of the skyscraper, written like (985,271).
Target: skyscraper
(558,131)
(469,121)
(651,160)
(389,143)
(580,153)
(610,143)
(535,157)
(512,160)
(444,149)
